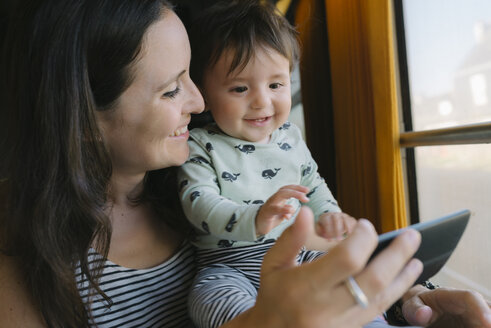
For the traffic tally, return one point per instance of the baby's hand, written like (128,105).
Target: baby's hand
(275,209)
(334,226)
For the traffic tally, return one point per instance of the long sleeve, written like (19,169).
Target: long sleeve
(226,180)
(203,205)
(321,199)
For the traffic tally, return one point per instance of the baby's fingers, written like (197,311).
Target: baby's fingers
(290,191)
(270,212)
(349,222)
(333,226)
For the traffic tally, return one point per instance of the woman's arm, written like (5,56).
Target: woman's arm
(16,307)
(315,294)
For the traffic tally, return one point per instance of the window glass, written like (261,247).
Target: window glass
(449,58)
(451,178)
(449,66)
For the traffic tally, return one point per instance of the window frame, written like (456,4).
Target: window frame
(409,139)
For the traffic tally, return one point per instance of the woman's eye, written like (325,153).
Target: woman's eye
(239,89)
(172,94)
(275,85)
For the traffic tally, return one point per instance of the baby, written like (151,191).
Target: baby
(250,169)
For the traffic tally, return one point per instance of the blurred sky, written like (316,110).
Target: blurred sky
(439,34)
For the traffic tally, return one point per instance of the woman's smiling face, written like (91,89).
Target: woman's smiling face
(147,128)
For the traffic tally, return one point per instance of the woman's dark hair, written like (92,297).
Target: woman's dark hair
(62,61)
(241,26)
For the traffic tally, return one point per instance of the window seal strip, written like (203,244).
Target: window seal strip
(477,133)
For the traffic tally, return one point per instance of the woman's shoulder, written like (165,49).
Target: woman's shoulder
(16,306)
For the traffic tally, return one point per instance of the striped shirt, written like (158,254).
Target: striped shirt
(246,259)
(154,297)
(227,282)
(228,279)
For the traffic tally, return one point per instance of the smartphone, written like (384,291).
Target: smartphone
(439,237)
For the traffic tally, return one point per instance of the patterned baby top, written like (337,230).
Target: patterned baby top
(226,180)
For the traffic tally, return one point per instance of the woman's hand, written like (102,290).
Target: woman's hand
(315,294)
(446,308)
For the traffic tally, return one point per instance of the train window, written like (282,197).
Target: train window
(445,59)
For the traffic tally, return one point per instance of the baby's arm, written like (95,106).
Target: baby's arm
(320,197)
(331,225)
(205,207)
(275,209)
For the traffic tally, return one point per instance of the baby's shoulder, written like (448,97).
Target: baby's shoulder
(207,132)
(291,129)
(291,132)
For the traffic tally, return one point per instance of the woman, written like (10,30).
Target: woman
(97,101)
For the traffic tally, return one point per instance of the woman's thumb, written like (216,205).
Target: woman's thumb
(283,254)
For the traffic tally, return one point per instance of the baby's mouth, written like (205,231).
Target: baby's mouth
(261,119)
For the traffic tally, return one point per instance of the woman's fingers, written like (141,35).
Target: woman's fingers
(349,257)
(392,272)
(284,252)
(401,283)
(325,300)
(389,268)
(396,255)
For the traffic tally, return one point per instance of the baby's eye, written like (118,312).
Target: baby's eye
(239,89)
(275,85)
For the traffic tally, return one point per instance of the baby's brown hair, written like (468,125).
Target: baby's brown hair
(241,26)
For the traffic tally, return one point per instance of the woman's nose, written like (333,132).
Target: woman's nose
(195,103)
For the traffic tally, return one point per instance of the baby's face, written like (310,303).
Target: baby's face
(252,103)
